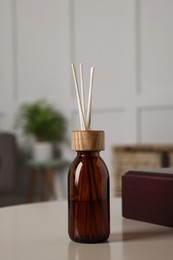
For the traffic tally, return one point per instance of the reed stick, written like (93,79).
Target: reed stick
(81,115)
(85,119)
(82,88)
(90,99)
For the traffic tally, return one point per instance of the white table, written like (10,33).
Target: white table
(38,231)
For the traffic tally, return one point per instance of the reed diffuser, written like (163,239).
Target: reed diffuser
(88,178)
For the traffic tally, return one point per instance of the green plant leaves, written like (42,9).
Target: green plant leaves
(42,121)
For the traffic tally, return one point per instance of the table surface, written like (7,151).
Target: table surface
(38,231)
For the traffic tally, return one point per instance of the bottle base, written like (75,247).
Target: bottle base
(87,241)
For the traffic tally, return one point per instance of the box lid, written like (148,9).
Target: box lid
(149,180)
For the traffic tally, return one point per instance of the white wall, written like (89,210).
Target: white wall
(130,44)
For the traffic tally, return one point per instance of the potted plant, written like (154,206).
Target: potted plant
(45,124)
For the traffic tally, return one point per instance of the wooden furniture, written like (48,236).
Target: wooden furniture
(38,231)
(44,171)
(125,158)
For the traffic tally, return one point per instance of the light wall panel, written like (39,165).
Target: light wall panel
(155,40)
(43,50)
(156,125)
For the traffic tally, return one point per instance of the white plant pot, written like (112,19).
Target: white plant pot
(42,151)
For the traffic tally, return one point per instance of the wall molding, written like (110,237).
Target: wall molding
(103,110)
(14,47)
(72,41)
(137,47)
(111,110)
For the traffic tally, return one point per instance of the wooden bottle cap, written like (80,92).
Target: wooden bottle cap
(88,140)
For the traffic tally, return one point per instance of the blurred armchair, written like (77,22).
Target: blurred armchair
(8,163)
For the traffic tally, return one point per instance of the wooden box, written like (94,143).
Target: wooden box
(148,196)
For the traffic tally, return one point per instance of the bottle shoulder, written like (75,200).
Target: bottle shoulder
(94,162)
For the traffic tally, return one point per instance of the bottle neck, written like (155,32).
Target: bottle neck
(88,153)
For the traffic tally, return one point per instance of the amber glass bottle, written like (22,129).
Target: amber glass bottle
(88,190)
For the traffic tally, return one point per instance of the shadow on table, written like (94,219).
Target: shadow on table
(140,231)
